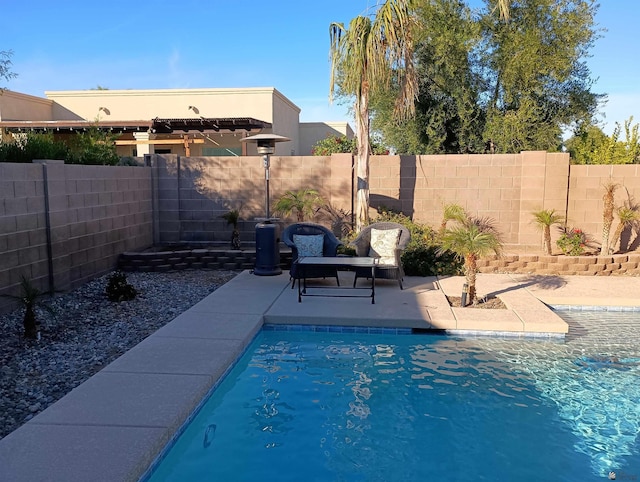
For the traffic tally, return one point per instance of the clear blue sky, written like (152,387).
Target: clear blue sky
(80,44)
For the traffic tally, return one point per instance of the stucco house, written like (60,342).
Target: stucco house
(188,122)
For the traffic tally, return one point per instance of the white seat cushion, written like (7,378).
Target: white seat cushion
(383,245)
(309,244)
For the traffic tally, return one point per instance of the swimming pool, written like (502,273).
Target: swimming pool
(347,406)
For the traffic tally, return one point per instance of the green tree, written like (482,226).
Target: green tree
(94,147)
(365,58)
(538,83)
(544,219)
(341,144)
(589,145)
(5,66)
(518,79)
(304,203)
(471,239)
(448,117)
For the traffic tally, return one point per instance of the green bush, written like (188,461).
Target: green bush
(572,242)
(341,144)
(33,146)
(424,261)
(421,258)
(118,289)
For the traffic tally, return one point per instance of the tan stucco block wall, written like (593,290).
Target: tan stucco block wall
(22,226)
(95,213)
(586,190)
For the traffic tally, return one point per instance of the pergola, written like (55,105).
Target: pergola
(158,131)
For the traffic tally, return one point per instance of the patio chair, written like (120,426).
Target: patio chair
(385,241)
(310,239)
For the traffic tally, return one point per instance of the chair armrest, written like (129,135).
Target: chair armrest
(361,245)
(332,248)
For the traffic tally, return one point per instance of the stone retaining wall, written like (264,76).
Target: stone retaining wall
(617,264)
(160,261)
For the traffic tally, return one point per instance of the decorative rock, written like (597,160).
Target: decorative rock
(86,333)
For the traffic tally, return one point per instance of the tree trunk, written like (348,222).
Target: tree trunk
(616,236)
(29,322)
(470,271)
(607,216)
(362,161)
(547,240)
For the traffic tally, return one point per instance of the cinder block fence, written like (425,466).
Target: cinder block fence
(61,225)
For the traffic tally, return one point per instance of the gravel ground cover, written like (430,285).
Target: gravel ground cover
(84,334)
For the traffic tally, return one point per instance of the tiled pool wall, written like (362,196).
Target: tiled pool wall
(594,308)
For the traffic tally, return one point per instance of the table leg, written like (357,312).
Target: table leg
(373,285)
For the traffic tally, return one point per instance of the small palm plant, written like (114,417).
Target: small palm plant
(304,203)
(232,217)
(451,212)
(607,215)
(628,216)
(544,219)
(29,298)
(471,239)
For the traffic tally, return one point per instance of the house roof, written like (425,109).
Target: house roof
(157,125)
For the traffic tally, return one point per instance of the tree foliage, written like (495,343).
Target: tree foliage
(369,56)
(5,66)
(518,81)
(341,144)
(590,145)
(304,203)
(91,147)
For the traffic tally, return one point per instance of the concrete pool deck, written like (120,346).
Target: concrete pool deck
(111,427)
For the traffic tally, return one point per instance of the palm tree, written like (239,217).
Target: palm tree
(628,216)
(544,219)
(232,217)
(471,239)
(607,215)
(451,212)
(366,58)
(304,202)
(29,298)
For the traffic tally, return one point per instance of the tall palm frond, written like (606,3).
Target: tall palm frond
(367,57)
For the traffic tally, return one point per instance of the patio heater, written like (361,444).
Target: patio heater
(267,239)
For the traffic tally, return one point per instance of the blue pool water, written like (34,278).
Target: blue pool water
(304,406)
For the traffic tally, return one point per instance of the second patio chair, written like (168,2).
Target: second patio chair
(385,241)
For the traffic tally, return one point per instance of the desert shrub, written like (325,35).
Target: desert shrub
(119,289)
(572,242)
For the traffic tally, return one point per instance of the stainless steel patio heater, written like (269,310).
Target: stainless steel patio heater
(267,236)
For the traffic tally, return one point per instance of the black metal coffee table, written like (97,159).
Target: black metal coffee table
(345,262)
